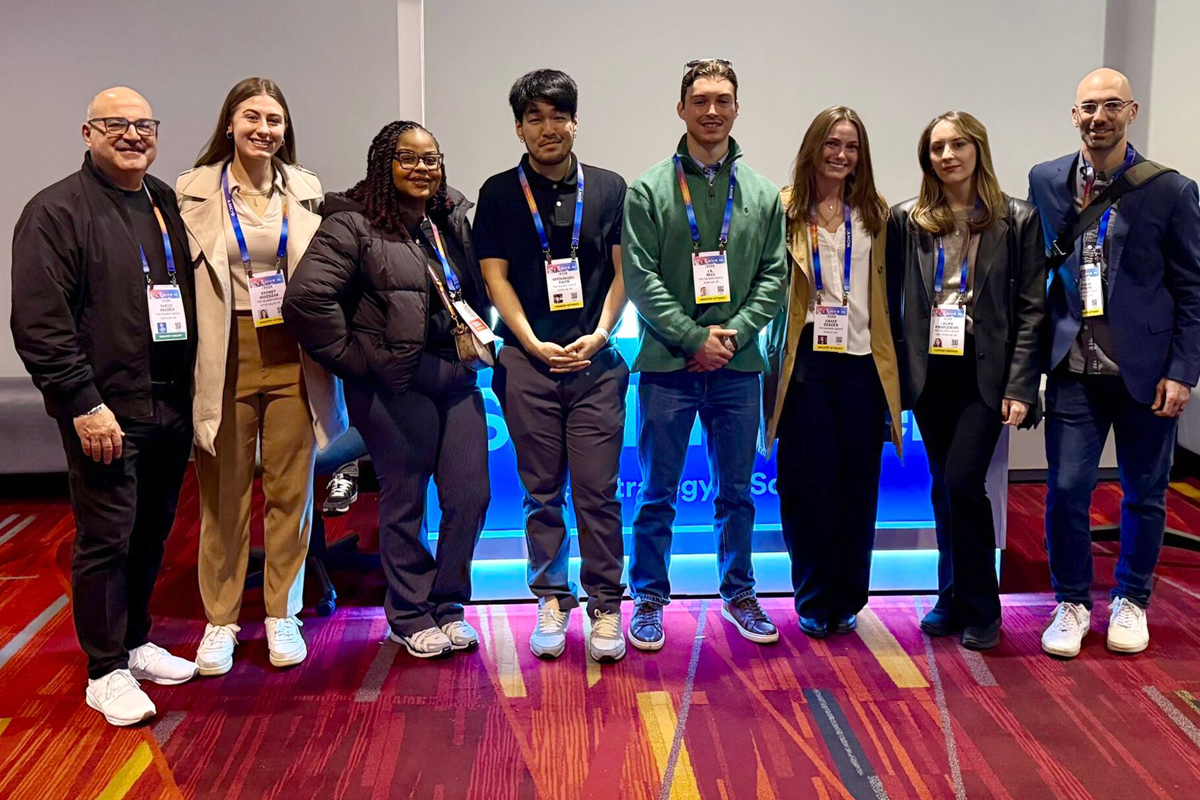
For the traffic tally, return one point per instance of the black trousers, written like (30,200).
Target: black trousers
(960,432)
(830,454)
(574,423)
(123,514)
(437,429)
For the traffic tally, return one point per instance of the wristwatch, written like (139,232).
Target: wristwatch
(92,412)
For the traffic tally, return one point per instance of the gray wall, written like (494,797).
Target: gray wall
(897,63)
(336,62)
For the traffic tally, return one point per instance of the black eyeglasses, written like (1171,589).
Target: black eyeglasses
(116,126)
(1111,107)
(409,160)
(699,61)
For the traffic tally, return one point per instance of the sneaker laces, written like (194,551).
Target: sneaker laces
(607,625)
(117,684)
(340,486)
(752,609)
(424,639)
(1066,619)
(148,654)
(646,614)
(1127,614)
(214,635)
(287,630)
(550,620)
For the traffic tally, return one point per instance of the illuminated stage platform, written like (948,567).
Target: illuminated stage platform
(905,556)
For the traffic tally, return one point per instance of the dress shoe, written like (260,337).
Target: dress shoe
(846,623)
(816,628)
(941,622)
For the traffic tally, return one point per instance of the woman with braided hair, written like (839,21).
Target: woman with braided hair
(379,299)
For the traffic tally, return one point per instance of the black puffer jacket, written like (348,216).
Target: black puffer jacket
(359,300)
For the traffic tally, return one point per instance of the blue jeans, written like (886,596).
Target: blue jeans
(346,448)
(1080,410)
(729,406)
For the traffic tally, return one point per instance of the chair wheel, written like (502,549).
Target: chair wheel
(326,607)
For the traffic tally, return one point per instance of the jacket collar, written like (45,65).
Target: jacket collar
(90,169)
(203,183)
(689,164)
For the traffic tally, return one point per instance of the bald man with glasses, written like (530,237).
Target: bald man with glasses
(1123,310)
(103,317)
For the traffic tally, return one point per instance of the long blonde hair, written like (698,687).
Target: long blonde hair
(932,212)
(859,190)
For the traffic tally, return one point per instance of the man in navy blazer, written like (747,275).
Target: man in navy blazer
(1124,326)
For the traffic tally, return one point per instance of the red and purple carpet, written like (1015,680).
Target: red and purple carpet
(885,712)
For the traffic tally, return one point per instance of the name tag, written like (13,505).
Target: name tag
(831,328)
(564,285)
(947,331)
(168,323)
(1091,290)
(478,327)
(710,277)
(266,298)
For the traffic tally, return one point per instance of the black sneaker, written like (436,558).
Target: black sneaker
(343,490)
(941,622)
(750,620)
(981,637)
(646,627)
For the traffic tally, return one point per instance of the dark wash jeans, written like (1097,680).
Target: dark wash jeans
(729,404)
(1080,410)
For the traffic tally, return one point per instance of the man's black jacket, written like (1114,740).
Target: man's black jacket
(79,317)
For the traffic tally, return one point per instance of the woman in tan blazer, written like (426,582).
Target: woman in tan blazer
(250,213)
(831,377)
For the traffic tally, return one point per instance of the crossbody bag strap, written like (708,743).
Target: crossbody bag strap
(1137,175)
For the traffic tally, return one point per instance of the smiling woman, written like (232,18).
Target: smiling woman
(250,214)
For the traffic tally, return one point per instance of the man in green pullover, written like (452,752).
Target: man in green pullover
(703,260)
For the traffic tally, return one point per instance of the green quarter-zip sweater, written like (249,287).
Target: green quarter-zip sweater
(656,258)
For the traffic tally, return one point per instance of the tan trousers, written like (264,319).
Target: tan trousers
(263,398)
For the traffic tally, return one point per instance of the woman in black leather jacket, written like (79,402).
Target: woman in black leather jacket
(363,302)
(969,360)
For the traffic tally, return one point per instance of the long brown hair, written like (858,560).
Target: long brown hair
(220,147)
(932,211)
(859,190)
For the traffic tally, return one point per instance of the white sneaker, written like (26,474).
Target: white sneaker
(152,663)
(285,642)
(607,642)
(549,638)
(1065,635)
(215,654)
(1127,631)
(428,643)
(461,635)
(120,699)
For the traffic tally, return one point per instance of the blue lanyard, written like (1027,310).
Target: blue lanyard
(280,253)
(1089,181)
(162,226)
(941,270)
(537,218)
(451,279)
(816,254)
(691,213)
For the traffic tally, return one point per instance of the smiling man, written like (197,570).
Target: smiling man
(703,255)
(548,236)
(1124,316)
(103,316)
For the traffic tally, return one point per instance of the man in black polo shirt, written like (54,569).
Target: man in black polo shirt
(103,317)
(548,236)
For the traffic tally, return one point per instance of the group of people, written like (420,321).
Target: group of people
(267,318)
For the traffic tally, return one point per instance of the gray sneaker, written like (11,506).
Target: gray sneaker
(343,490)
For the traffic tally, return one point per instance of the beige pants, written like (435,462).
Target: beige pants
(263,398)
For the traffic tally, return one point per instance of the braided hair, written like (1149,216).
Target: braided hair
(379,195)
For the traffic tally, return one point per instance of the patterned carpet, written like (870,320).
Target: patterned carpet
(885,712)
